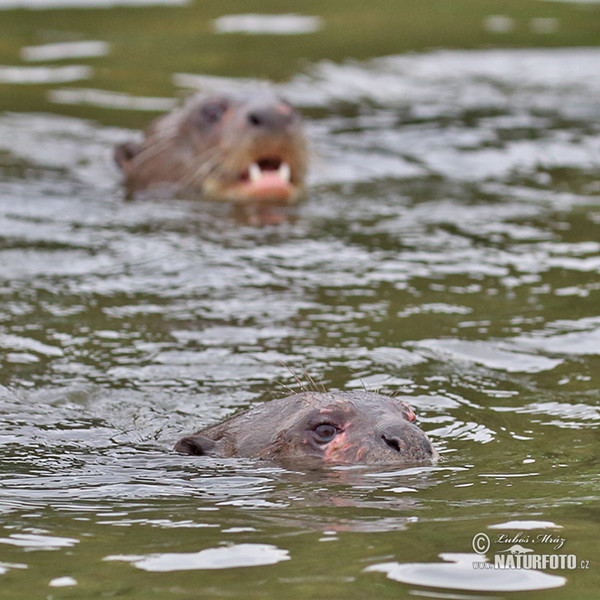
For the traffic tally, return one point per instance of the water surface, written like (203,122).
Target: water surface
(448,251)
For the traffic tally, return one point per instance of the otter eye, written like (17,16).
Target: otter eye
(213,111)
(325,432)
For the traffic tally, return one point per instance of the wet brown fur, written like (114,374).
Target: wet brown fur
(206,146)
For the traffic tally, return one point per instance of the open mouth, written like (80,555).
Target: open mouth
(268,177)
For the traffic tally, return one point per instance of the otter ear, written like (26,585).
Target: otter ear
(409,413)
(125,153)
(194,445)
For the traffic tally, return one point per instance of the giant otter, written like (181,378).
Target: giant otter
(335,427)
(223,147)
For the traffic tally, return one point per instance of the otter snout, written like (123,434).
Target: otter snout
(407,440)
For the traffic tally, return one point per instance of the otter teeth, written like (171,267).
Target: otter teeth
(255,173)
(284,171)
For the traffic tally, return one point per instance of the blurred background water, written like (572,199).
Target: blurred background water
(448,250)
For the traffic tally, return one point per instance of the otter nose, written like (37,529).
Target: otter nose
(406,441)
(394,441)
(277,116)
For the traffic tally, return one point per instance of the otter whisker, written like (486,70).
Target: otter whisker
(323,388)
(312,381)
(151,151)
(287,387)
(298,380)
(207,163)
(210,167)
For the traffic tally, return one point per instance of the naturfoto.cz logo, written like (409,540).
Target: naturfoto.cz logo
(518,556)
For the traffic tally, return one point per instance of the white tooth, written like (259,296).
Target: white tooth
(285,172)
(254,173)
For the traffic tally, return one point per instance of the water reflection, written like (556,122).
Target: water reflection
(65,50)
(44,75)
(238,555)
(458,573)
(285,24)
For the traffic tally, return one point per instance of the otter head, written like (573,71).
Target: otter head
(226,147)
(338,427)
(355,428)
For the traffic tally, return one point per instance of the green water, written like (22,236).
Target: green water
(448,251)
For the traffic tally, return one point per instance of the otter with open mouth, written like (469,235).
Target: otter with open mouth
(334,427)
(223,147)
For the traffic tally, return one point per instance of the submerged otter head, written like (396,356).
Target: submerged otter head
(222,146)
(335,427)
